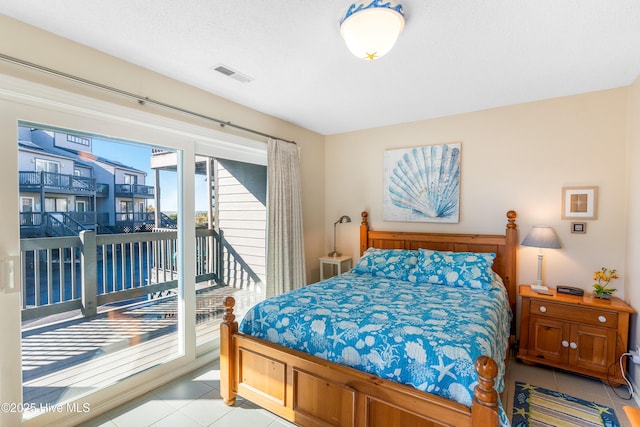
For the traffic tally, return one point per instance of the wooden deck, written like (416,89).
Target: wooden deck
(73,357)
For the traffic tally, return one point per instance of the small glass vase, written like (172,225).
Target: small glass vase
(603,296)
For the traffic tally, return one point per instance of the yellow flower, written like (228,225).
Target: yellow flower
(604,276)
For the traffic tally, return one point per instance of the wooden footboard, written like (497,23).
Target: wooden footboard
(310,391)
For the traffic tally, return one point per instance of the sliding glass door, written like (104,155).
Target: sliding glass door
(100,287)
(107,256)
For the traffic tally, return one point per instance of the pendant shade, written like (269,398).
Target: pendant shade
(371,28)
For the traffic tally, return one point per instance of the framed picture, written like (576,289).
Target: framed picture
(579,202)
(422,184)
(579,227)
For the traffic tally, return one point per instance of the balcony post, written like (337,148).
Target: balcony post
(42,195)
(220,258)
(157,215)
(89,273)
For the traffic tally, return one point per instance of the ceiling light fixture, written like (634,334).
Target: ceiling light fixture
(371,28)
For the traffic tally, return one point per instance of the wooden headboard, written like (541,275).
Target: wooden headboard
(504,246)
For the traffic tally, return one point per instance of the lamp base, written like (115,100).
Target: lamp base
(538,288)
(334,254)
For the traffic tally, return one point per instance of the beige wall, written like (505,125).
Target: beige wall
(632,276)
(517,157)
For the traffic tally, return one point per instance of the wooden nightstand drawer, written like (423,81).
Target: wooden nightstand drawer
(608,319)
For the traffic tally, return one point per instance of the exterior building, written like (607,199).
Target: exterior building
(236,196)
(65,188)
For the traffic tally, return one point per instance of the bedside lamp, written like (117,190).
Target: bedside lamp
(541,236)
(342,220)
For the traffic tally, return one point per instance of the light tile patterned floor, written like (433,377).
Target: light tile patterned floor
(194,400)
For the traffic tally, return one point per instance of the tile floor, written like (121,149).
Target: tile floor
(194,400)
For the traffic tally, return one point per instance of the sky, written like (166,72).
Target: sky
(138,157)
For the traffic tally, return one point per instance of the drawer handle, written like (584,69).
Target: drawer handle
(573,345)
(565,343)
(602,319)
(543,309)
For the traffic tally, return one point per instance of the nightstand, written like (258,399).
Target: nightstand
(339,264)
(580,334)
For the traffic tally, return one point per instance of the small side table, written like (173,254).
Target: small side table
(340,263)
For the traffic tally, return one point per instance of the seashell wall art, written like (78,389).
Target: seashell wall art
(422,184)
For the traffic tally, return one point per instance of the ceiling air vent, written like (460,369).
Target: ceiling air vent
(230,72)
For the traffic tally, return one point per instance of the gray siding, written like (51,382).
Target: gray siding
(120,173)
(86,172)
(242,211)
(27,161)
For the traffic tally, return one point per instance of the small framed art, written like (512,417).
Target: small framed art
(579,227)
(579,202)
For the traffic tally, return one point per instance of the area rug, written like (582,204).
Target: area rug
(537,406)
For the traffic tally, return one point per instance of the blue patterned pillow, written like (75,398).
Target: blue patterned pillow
(391,263)
(462,269)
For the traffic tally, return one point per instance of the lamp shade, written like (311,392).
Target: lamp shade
(343,219)
(542,236)
(371,28)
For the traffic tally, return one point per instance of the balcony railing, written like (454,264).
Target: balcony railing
(38,224)
(85,218)
(135,217)
(59,224)
(134,190)
(61,274)
(49,181)
(129,222)
(102,190)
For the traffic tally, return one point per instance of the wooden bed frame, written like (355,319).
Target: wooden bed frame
(310,391)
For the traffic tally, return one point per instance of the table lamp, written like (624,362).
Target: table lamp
(342,220)
(541,236)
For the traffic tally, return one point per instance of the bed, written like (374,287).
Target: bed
(307,389)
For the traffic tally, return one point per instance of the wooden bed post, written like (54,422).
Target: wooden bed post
(228,328)
(364,233)
(511,262)
(484,409)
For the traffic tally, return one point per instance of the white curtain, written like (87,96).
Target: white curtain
(285,241)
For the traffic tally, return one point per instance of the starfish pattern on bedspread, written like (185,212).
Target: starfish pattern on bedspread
(424,335)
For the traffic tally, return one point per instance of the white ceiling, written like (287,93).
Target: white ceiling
(454,56)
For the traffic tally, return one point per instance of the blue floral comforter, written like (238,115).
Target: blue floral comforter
(424,335)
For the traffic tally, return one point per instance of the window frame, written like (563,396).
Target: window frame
(47,163)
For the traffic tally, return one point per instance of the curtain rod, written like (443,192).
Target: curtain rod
(141,99)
